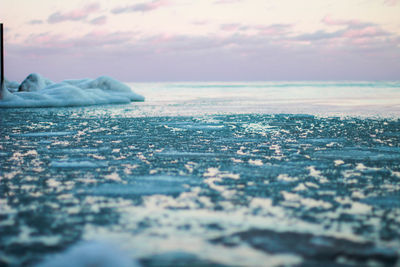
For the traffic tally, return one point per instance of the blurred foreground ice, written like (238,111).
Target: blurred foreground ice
(90,254)
(212,190)
(208,174)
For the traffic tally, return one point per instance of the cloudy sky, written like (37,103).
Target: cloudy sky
(203,40)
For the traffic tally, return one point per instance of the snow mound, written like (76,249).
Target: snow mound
(37,91)
(34,82)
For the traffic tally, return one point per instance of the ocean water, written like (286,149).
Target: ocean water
(207,174)
(372,99)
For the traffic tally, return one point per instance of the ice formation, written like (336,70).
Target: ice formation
(92,253)
(37,91)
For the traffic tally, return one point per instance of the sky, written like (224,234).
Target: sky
(202,40)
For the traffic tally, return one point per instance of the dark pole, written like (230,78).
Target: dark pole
(2,56)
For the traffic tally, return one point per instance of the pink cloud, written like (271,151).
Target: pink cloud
(135,55)
(99,20)
(328,20)
(274,29)
(165,57)
(35,22)
(200,22)
(142,7)
(363,32)
(230,27)
(354,29)
(74,15)
(98,39)
(226,1)
(391,2)
(46,40)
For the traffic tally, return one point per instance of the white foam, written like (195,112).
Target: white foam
(36,91)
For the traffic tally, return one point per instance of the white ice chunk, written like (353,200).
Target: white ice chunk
(12,86)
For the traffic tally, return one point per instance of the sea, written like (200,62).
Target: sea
(206,174)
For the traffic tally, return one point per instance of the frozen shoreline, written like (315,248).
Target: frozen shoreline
(37,91)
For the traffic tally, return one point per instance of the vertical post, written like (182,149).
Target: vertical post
(2,56)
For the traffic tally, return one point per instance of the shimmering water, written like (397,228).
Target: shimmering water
(231,183)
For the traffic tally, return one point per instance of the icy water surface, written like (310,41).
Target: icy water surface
(200,190)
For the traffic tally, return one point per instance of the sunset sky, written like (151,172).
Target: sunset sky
(203,40)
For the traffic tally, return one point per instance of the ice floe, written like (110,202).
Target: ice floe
(37,91)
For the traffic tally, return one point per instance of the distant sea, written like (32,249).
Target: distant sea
(206,174)
(322,98)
